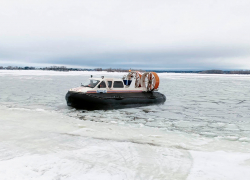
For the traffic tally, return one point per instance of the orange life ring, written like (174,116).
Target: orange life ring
(153,81)
(157,80)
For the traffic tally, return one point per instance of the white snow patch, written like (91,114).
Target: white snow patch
(219,165)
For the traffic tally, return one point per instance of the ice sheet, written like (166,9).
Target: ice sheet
(201,132)
(46,145)
(49,145)
(219,165)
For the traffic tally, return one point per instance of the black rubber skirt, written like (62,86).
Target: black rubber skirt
(97,101)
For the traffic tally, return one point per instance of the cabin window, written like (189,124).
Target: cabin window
(118,84)
(109,84)
(102,85)
(92,83)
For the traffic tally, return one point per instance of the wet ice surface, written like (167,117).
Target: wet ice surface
(201,132)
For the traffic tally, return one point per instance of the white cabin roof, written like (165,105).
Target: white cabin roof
(107,79)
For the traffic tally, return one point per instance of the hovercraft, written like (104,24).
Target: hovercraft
(133,90)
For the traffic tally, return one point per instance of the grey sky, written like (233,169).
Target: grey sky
(159,34)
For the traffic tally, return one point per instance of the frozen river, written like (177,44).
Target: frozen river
(201,132)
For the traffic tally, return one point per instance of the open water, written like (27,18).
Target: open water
(201,132)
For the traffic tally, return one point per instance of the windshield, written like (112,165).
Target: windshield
(92,83)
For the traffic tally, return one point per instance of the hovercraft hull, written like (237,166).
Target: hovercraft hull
(94,101)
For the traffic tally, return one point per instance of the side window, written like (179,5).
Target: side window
(118,84)
(102,85)
(109,84)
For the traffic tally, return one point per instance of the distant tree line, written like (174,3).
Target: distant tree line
(17,68)
(52,68)
(212,72)
(56,68)
(64,68)
(117,70)
(225,72)
(240,72)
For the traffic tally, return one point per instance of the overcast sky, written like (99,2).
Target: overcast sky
(147,34)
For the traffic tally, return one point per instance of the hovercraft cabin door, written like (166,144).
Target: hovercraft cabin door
(102,88)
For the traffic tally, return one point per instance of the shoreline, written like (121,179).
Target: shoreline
(104,71)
